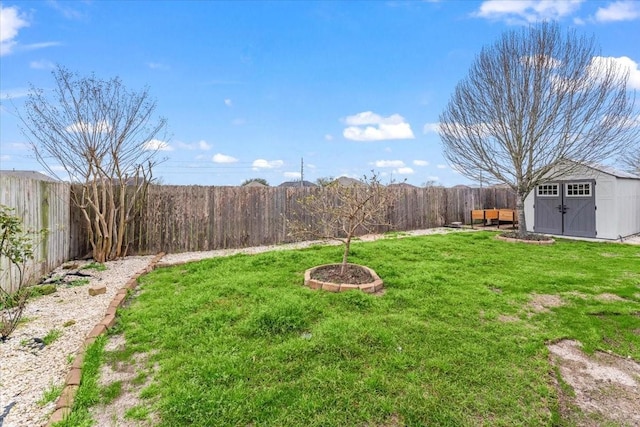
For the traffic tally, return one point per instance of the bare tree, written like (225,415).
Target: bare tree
(103,137)
(631,159)
(531,101)
(256,180)
(338,212)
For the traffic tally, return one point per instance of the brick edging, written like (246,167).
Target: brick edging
(72,381)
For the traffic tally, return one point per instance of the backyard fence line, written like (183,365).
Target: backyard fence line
(40,205)
(177,219)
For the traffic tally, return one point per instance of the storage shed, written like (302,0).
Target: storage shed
(590,201)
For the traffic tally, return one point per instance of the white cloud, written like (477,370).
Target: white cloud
(223,158)
(527,11)
(41,65)
(328,137)
(156,144)
(267,164)
(82,127)
(203,145)
(431,128)
(389,163)
(42,45)
(421,163)
(404,171)
(14,93)
(600,63)
(238,122)
(228,102)
(441,166)
(293,175)
(619,11)
(10,23)
(433,178)
(369,126)
(5,157)
(157,66)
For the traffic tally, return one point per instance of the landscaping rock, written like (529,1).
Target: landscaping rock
(97,290)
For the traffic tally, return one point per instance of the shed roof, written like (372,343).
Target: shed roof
(612,171)
(28,174)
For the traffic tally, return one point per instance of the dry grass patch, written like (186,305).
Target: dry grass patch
(606,387)
(125,375)
(609,297)
(541,303)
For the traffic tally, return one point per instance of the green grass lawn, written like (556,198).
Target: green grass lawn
(453,341)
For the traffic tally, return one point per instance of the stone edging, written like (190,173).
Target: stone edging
(72,381)
(530,242)
(370,287)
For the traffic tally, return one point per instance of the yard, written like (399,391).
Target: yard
(459,336)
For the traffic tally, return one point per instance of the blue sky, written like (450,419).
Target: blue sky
(251,88)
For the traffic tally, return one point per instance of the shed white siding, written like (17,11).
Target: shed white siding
(617,202)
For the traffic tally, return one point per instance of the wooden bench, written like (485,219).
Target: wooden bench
(487,215)
(508,215)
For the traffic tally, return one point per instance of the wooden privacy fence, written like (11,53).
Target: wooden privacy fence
(40,205)
(195,218)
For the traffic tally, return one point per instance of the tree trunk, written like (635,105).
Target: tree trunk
(347,244)
(522,222)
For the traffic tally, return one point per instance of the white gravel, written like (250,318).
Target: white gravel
(26,374)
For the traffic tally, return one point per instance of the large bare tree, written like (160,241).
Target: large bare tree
(533,100)
(103,138)
(630,160)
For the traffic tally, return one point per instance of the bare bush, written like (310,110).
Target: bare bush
(16,249)
(339,212)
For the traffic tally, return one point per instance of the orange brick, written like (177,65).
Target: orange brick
(73,377)
(59,415)
(97,331)
(109,320)
(331,287)
(77,361)
(66,397)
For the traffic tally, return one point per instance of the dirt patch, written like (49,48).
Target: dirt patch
(606,387)
(507,319)
(609,297)
(541,303)
(128,373)
(609,255)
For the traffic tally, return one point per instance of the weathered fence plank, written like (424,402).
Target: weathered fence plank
(197,218)
(40,205)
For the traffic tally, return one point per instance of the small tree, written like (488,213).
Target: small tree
(258,180)
(337,212)
(103,137)
(532,101)
(16,249)
(324,181)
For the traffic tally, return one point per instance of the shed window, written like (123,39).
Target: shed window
(548,190)
(582,189)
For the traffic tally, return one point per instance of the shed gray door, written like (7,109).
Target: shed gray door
(580,208)
(566,208)
(548,208)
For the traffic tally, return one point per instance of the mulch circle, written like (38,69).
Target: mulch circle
(532,239)
(354,274)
